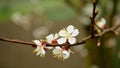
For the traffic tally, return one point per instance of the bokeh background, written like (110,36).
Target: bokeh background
(34,19)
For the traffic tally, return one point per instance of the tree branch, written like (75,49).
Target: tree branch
(82,41)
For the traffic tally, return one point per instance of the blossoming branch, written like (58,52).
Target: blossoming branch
(61,42)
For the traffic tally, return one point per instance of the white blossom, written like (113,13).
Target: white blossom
(52,38)
(40,50)
(61,53)
(68,34)
(57,52)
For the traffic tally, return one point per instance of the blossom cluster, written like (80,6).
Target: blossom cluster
(63,37)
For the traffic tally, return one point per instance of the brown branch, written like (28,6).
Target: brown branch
(113,29)
(82,41)
(92,18)
(17,41)
(34,45)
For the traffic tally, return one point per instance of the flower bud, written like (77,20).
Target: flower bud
(101,23)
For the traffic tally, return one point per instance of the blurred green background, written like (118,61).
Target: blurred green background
(34,19)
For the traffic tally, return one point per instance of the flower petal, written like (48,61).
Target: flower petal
(38,53)
(56,36)
(49,38)
(36,50)
(65,54)
(56,51)
(72,40)
(61,40)
(62,32)
(70,28)
(37,42)
(57,47)
(49,47)
(75,32)
(41,52)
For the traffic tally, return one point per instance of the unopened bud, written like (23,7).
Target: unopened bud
(96,11)
(98,44)
(116,33)
(94,1)
(101,23)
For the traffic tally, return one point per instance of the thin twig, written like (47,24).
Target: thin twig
(17,41)
(92,18)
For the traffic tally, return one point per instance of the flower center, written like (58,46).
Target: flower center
(43,44)
(68,36)
(54,41)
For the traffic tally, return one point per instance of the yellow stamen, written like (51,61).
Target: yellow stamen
(35,51)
